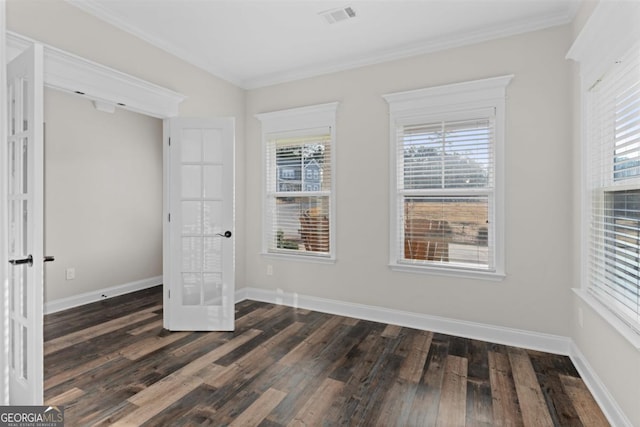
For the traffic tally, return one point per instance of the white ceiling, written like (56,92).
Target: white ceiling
(255,43)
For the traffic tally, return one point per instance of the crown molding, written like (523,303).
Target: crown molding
(422,48)
(94,8)
(106,87)
(375,57)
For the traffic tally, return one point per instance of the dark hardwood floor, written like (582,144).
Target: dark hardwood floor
(112,363)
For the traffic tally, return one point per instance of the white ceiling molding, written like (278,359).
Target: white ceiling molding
(255,79)
(103,85)
(199,61)
(430,46)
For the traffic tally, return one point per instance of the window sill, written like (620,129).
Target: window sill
(448,272)
(302,258)
(614,321)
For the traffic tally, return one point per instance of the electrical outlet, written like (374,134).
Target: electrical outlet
(269,270)
(70,273)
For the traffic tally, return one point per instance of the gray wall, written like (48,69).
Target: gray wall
(103,196)
(84,199)
(535,295)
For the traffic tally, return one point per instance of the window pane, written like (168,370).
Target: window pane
(626,161)
(303,163)
(289,168)
(447,155)
(301,224)
(447,230)
(622,246)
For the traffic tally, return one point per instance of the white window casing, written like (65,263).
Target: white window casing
(299,187)
(447,179)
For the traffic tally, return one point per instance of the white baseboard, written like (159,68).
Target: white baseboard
(607,403)
(241,295)
(496,334)
(100,294)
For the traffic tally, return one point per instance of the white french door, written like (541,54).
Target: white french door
(25,226)
(198,238)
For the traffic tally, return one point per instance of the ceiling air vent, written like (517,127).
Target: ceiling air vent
(338,15)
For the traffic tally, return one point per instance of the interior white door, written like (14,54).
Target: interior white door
(25,226)
(198,239)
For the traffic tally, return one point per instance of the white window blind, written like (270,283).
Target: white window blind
(445,187)
(614,188)
(298,179)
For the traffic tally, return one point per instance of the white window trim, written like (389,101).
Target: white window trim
(449,100)
(611,30)
(291,120)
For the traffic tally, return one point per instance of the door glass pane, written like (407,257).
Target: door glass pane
(25,229)
(191,145)
(25,352)
(12,346)
(12,289)
(213,289)
(191,288)
(22,269)
(13,207)
(25,104)
(212,145)
(25,167)
(12,166)
(212,217)
(213,254)
(213,182)
(191,181)
(12,110)
(191,254)
(191,217)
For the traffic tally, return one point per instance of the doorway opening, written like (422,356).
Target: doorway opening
(103,201)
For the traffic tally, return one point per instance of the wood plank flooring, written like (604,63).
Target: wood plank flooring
(111,363)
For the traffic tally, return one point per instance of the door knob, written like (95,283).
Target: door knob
(27,260)
(226,234)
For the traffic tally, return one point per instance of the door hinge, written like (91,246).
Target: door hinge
(169,294)
(169,142)
(169,217)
